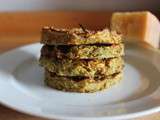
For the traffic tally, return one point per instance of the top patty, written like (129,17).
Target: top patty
(78,36)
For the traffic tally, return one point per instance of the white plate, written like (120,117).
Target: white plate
(22,88)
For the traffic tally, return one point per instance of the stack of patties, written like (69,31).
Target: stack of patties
(81,60)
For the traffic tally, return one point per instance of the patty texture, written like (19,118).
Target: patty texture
(89,68)
(78,36)
(83,51)
(81,84)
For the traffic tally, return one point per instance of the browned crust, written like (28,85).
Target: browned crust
(83,51)
(77,36)
(81,84)
(89,68)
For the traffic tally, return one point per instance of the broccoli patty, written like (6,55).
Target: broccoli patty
(90,68)
(78,36)
(81,84)
(83,51)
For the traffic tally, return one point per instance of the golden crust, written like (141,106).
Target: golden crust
(83,51)
(77,36)
(84,85)
(88,68)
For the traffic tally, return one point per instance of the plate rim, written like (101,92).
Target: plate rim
(115,117)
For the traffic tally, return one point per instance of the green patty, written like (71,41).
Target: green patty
(77,36)
(81,85)
(90,68)
(83,51)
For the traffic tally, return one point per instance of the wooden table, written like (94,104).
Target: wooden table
(21,28)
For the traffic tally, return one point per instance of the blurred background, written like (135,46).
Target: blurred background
(16,5)
(21,20)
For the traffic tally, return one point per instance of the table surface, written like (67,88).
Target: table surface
(20,28)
